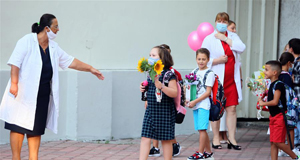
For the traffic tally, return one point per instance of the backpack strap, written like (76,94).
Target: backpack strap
(168,75)
(279,102)
(196,70)
(283,113)
(205,77)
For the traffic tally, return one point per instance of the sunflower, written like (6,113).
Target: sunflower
(140,65)
(158,67)
(143,65)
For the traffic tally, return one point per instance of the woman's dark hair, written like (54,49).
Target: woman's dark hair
(46,20)
(165,56)
(203,51)
(295,45)
(286,57)
(230,22)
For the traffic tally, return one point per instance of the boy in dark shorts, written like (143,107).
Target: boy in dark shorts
(277,124)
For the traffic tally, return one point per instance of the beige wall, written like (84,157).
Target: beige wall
(111,34)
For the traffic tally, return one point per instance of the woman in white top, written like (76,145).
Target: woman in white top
(224,47)
(31,99)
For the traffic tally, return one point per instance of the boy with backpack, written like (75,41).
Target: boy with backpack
(201,105)
(277,97)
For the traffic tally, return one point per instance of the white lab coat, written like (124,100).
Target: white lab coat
(27,57)
(216,50)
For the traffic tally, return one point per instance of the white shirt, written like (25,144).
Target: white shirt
(27,57)
(216,50)
(209,82)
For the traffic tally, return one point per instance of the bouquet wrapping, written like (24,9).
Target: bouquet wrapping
(259,87)
(191,86)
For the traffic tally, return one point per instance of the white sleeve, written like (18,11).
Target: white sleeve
(210,80)
(206,44)
(19,52)
(237,44)
(65,60)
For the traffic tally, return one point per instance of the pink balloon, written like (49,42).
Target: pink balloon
(194,41)
(204,29)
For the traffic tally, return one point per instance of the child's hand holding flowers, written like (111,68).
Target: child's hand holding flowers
(154,70)
(260,101)
(191,104)
(158,84)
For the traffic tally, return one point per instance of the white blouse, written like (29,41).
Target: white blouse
(216,50)
(27,57)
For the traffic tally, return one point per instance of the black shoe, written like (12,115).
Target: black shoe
(208,155)
(236,147)
(216,146)
(154,152)
(176,149)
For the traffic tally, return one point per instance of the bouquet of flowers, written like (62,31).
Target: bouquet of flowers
(153,71)
(259,86)
(191,86)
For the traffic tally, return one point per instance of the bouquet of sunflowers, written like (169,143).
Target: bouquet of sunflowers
(259,86)
(153,69)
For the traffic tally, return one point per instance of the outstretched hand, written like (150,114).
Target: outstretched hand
(97,73)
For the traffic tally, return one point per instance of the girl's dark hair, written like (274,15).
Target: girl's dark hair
(165,56)
(203,51)
(46,20)
(286,57)
(166,46)
(230,22)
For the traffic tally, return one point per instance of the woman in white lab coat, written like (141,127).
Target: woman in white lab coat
(224,47)
(31,99)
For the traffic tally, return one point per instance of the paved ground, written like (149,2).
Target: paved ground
(255,144)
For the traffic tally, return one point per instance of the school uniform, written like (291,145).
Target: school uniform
(159,118)
(35,78)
